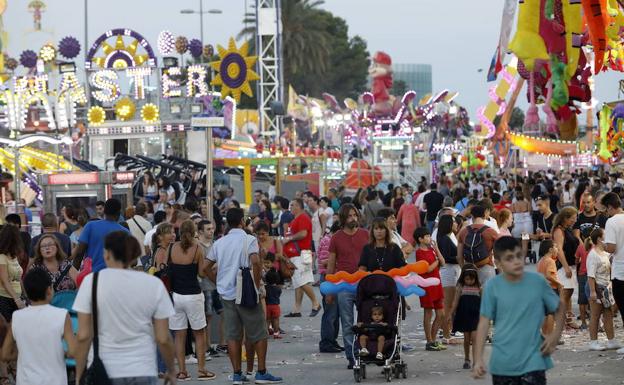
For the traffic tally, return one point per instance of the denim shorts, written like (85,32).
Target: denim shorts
(531,378)
(134,381)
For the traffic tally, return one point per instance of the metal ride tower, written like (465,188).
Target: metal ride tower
(269,49)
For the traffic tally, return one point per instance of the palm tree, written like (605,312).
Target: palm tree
(305,40)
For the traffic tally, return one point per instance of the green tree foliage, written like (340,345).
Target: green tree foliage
(516,120)
(318,55)
(399,88)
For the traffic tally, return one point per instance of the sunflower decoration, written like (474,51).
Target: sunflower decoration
(96,115)
(235,70)
(125,109)
(149,113)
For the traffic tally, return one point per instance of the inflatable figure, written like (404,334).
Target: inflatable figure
(381,72)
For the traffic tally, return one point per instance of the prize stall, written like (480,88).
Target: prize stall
(83,189)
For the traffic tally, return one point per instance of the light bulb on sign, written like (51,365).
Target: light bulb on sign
(196,80)
(69,85)
(169,86)
(47,53)
(105,82)
(138,74)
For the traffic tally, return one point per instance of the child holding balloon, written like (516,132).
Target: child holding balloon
(433,300)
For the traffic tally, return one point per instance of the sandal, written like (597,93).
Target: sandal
(205,375)
(183,376)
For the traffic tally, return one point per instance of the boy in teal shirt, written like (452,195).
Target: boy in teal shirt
(517,302)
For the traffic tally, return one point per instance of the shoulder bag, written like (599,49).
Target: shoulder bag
(164,274)
(246,290)
(96,373)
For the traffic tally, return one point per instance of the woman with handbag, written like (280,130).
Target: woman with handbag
(163,238)
(185,264)
(50,258)
(271,245)
(128,311)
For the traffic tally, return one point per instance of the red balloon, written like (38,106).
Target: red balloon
(471,168)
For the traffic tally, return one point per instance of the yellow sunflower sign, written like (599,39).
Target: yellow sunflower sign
(235,70)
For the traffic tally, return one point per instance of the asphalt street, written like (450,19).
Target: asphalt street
(297,360)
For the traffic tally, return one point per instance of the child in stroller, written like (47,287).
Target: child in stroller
(374,331)
(378,329)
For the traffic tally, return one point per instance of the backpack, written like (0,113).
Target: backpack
(475,249)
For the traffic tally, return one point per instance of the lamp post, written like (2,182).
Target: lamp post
(201,13)
(208,137)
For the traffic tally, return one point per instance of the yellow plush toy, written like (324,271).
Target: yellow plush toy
(527,44)
(574,30)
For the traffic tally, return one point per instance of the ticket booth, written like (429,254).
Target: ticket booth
(83,189)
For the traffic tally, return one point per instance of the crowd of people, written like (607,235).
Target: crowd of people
(162,270)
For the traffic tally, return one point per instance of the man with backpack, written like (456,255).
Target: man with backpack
(475,244)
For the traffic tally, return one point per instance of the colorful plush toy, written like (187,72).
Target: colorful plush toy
(573,22)
(595,17)
(381,72)
(528,44)
(560,86)
(604,122)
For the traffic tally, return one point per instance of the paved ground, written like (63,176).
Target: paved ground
(296,357)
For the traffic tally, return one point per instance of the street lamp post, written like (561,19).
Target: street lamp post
(209,140)
(201,13)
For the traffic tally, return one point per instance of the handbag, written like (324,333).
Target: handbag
(96,373)
(246,290)
(164,274)
(292,249)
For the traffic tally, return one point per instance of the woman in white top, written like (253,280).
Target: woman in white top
(567,196)
(523,223)
(133,312)
(598,290)
(150,188)
(326,213)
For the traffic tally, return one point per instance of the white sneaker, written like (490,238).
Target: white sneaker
(190,360)
(596,346)
(364,352)
(613,344)
(620,351)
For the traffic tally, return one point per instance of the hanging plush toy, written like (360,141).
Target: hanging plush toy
(604,154)
(527,44)
(595,15)
(573,32)
(560,86)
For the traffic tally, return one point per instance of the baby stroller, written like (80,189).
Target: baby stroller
(65,300)
(378,290)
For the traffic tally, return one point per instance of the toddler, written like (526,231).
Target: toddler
(273,290)
(377,318)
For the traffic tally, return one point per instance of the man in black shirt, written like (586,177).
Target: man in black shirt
(545,218)
(544,224)
(589,219)
(432,202)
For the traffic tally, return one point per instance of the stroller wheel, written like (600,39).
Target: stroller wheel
(388,374)
(357,375)
(404,370)
(397,371)
(363,367)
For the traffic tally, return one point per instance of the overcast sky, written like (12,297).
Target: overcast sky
(457,37)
